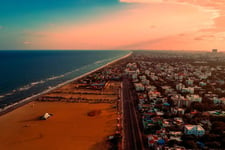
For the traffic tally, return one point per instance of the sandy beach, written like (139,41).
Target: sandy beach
(69,128)
(22,102)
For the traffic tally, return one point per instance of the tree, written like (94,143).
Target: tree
(213,144)
(218,127)
(190,144)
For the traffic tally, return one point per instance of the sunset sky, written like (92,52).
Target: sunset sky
(112,24)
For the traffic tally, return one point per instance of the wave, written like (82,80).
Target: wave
(55,77)
(7,94)
(36,83)
(30,98)
(106,60)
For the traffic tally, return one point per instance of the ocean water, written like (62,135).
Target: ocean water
(26,73)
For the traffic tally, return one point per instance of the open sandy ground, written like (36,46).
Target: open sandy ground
(69,128)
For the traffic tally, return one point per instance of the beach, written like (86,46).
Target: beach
(22,102)
(83,125)
(82,118)
(69,128)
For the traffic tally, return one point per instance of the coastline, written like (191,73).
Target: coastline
(27,100)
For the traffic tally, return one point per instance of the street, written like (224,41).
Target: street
(132,133)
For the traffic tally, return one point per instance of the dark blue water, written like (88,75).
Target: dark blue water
(25,73)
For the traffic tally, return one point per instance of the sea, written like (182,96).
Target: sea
(24,73)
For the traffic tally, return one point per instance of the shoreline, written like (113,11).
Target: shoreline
(27,100)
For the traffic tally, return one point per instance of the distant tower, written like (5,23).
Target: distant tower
(214,50)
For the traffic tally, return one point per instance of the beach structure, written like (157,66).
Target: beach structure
(45,116)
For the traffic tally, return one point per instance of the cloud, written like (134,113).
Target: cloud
(213,28)
(205,37)
(34,34)
(181,34)
(159,24)
(51,24)
(27,42)
(140,1)
(152,26)
(198,38)
(134,26)
(141,43)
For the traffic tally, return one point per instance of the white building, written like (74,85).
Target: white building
(202,84)
(203,76)
(180,101)
(147,72)
(190,90)
(139,87)
(153,77)
(179,86)
(150,88)
(167,89)
(222,100)
(189,82)
(194,129)
(177,111)
(216,100)
(194,98)
(142,77)
(132,65)
(145,82)
(153,94)
(134,76)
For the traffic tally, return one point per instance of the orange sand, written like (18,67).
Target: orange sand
(69,128)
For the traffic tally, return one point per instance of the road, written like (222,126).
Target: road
(132,134)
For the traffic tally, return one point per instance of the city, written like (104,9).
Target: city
(162,100)
(180,99)
(112,75)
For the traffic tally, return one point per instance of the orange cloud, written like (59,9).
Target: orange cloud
(157,25)
(27,42)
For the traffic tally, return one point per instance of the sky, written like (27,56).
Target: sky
(112,24)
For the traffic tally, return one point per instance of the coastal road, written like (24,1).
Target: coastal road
(132,134)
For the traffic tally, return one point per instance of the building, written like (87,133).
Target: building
(189,82)
(216,100)
(177,111)
(180,101)
(145,82)
(179,86)
(139,87)
(197,130)
(214,50)
(194,98)
(188,90)
(222,100)
(202,83)
(153,94)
